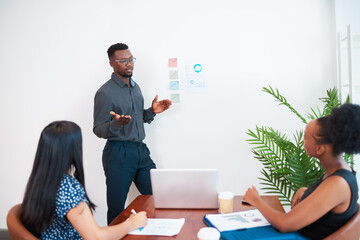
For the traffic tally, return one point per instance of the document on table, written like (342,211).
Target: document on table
(161,227)
(237,220)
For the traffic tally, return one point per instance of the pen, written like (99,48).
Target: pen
(133,211)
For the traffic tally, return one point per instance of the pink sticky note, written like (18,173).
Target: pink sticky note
(172,62)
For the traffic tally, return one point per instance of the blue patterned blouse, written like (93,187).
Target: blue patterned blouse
(69,195)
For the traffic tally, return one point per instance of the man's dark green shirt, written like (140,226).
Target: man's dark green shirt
(115,95)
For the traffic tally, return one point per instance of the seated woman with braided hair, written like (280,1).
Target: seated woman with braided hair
(330,202)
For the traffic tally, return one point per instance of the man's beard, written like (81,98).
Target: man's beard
(127,75)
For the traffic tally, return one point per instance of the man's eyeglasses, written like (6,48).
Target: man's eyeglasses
(125,61)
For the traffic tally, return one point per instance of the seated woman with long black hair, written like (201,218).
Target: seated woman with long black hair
(324,207)
(56,205)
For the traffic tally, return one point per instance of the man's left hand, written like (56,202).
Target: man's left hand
(160,106)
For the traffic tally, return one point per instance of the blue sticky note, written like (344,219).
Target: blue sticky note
(174,85)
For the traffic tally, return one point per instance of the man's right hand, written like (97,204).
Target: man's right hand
(120,119)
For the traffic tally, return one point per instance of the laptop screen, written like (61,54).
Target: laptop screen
(185,188)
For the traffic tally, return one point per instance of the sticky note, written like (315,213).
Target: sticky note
(174,85)
(172,62)
(173,75)
(175,98)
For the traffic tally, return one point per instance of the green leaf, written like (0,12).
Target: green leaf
(282,101)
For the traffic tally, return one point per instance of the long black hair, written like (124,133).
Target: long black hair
(341,129)
(59,152)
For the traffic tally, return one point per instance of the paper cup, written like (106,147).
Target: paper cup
(208,233)
(226,202)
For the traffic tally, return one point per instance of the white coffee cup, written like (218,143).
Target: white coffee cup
(226,202)
(208,233)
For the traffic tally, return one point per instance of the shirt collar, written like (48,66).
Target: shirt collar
(120,82)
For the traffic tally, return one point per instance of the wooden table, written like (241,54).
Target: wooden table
(193,218)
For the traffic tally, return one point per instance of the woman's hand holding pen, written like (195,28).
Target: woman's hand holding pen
(138,220)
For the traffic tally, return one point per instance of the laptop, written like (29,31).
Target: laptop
(185,188)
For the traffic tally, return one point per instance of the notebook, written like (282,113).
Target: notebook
(259,233)
(237,220)
(185,188)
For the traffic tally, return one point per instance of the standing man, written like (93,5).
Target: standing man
(119,117)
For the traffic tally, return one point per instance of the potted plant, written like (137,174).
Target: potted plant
(286,166)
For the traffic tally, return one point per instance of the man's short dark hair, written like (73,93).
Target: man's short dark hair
(115,47)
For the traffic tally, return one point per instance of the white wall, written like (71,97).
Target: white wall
(53,59)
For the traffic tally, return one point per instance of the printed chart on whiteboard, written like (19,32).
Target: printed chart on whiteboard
(194,75)
(189,76)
